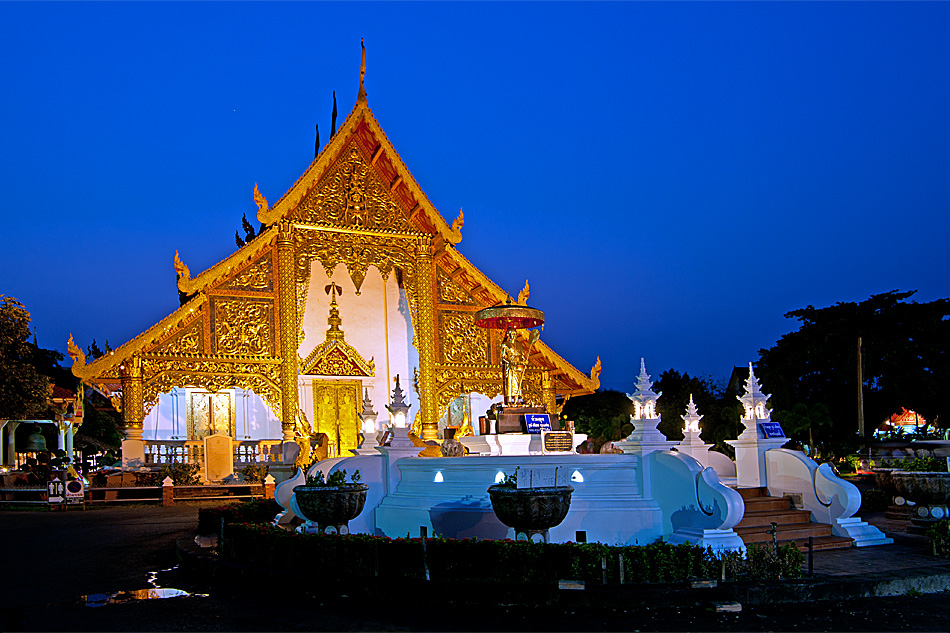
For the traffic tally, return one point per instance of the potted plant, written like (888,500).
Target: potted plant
(531,511)
(332,502)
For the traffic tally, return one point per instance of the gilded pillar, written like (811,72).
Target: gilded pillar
(425,340)
(547,393)
(133,404)
(287,315)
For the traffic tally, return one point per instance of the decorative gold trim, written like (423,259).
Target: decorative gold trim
(311,178)
(235,261)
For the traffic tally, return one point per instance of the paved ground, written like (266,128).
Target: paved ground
(52,560)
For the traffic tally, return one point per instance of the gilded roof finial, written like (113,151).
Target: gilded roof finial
(362,94)
(524,294)
(334,320)
(261,201)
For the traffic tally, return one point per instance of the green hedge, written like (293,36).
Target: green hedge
(359,556)
(253,511)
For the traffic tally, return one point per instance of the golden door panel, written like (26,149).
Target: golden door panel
(210,413)
(336,405)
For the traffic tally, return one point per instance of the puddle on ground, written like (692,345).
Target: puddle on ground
(155,592)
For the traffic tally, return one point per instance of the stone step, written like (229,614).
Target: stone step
(751,493)
(767,504)
(793,532)
(765,518)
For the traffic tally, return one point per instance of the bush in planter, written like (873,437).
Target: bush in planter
(181,474)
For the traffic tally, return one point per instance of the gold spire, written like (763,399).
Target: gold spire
(334,321)
(362,94)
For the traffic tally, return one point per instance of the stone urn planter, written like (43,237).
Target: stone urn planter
(929,490)
(883,480)
(923,487)
(331,507)
(531,511)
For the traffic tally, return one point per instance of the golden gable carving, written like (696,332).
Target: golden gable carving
(258,277)
(463,343)
(452,292)
(188,342)
(337,358)
(242,326)
(352,194)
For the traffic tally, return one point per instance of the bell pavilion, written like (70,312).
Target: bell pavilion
(355,278)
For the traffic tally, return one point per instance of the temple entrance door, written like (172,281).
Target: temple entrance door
(336,407)
(210,413)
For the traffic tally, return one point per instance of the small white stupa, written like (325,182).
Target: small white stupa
(691,442)
(645,437)
(753,442)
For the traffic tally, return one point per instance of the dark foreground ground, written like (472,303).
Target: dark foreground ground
(55,565)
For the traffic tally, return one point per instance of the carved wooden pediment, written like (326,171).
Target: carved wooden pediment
(336,357)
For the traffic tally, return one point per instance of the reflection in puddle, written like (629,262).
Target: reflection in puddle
(152,593)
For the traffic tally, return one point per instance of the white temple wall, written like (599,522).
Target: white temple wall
(168,419)
(376,322)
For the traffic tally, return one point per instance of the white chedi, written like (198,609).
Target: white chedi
(644,399)
(645,436)
(692,417)
(753,400)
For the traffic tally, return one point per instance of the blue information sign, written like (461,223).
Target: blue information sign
(537,422)
(771,429)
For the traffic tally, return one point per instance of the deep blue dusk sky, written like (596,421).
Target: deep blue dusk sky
(670,177)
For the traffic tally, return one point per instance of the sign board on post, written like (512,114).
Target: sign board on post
(537,422)
(771,429)
(55,490)
(75,492)
(557,442)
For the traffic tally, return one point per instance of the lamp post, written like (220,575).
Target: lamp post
(369,421)
(398,410)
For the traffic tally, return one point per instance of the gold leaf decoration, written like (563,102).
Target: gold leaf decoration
(242,327)
(463,342)
(352,194)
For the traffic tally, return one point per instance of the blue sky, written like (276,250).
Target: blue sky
(673,177)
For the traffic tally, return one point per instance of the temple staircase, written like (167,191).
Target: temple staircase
(761,511)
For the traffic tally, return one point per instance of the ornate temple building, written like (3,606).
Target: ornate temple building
(354,279)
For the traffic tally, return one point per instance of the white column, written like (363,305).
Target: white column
(69,441)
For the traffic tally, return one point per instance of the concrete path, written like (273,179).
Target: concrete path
(51,557)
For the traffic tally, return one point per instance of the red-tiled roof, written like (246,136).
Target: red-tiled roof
(63,393)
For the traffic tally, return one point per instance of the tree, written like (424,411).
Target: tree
(714,402)
(603,415)
(675,390)
(905,363)
(23,389)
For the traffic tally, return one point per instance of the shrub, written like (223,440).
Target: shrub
(260,511)
(181,474)
(874,500)
(939,535)
(765,562)
(255,473)
(502,561)
(917,464)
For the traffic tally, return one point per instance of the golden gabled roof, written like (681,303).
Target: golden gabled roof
(362,126)
(363,130)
